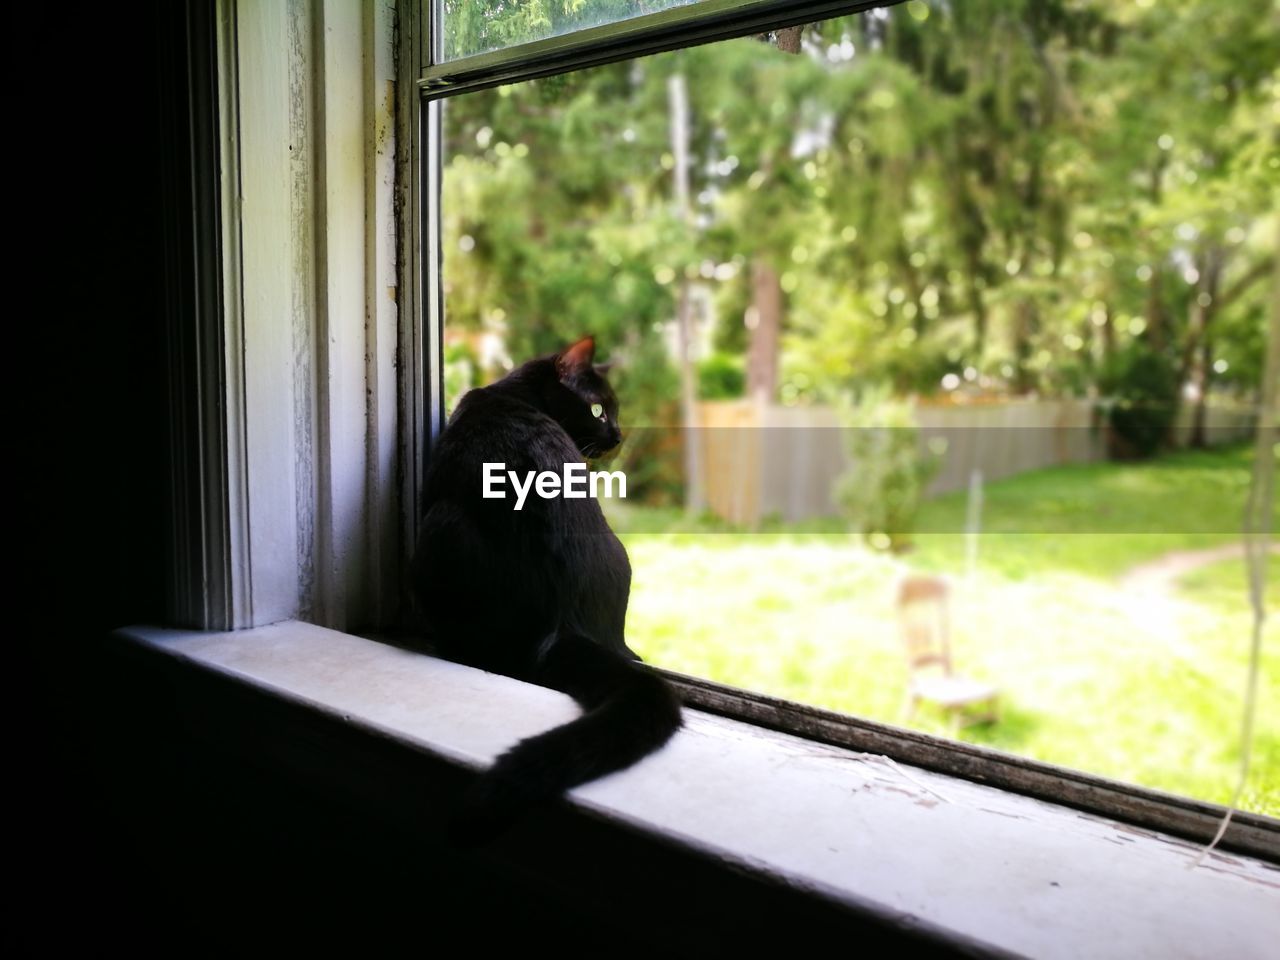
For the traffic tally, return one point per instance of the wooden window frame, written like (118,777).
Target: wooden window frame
(299,446)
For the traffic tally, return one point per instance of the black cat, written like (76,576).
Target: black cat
(539,594)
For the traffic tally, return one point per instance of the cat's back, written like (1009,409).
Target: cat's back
(492,425)
(497,557)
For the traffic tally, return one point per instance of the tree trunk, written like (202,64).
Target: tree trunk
(1200,415)
(1099,341)
(1027,321)
(764,323)
(694,501)
(1156,327)
(974,295)
(788,39)
(764,316)
(978,307)
(1197,352)
(1108,334)
(911,277)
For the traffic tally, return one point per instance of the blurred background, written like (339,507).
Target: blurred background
(940,336)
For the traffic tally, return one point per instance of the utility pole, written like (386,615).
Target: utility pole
(694,501)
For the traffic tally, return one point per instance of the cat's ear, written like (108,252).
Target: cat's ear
(576,359)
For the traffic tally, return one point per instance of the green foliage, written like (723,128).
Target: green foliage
(721,376)
(459,373)
(1020,189)
(540,244)
(881,491)
(476,26)
(651,455)
(1084,684)
(1224,585)
(1239,346)
(1140,395)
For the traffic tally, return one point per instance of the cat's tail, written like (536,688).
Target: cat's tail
(629,713)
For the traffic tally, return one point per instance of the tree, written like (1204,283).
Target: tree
(1002,192)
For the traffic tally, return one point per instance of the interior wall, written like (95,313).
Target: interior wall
(96,460)
(135,827)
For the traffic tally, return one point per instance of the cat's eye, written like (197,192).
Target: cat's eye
(596,410)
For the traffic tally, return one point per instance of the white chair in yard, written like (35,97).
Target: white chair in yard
(924,617)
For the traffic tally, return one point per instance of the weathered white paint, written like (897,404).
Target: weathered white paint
(1015,872)
(338,61)
(302,279)
(309,157)
(267,244)
(414,384)
(382,315)
(237,563)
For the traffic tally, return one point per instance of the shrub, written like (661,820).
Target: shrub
(880,492)
(652,455)
(1139,386)
(721,376)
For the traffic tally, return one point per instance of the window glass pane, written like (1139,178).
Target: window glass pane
(977,296)
(478,26)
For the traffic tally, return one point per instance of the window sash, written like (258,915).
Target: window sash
(687,26)
(706,22)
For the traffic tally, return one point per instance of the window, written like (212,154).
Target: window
(303,386)
(301,444)
(999,234)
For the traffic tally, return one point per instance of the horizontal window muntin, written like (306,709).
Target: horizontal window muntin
(695,22)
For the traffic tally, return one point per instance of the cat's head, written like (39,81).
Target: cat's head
(586,405)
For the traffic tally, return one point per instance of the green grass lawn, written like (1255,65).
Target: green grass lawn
(1142,688)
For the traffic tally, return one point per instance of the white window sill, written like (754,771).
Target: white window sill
(984,866)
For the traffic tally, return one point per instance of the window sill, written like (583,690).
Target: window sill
(955,862)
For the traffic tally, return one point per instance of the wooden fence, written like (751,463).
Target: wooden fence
(760,460)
